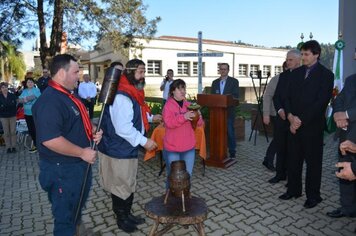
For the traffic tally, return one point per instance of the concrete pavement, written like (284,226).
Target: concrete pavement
(240,200)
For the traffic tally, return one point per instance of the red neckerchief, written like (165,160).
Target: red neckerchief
(138,95)
(79,104)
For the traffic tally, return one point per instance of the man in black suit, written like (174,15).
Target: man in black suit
(281,123)
(227,85)
(344,108)
(347,169)
(309,93)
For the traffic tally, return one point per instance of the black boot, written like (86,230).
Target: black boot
(120,209)
(134,219)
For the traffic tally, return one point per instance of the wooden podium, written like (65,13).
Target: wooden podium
(218,105)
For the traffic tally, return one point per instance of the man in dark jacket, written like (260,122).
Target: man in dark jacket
(42,82)
(344,108)
(227,85)
(309,93)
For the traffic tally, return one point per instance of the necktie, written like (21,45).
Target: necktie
(307,73)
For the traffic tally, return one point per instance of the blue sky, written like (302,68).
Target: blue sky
(260,22)
(269,23)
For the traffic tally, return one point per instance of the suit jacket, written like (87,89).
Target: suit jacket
(346,101)
(280,97)
(308,97)
(231,87)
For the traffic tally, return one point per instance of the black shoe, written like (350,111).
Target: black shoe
(335,214)
(136,219)
(13,150)
(268,166)
(8,150)
(287,196)
(310,203)
(126,225)
(232,155)
(276,179)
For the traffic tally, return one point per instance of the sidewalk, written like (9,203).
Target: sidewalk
(240,200)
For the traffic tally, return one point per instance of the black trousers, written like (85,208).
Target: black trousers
(90,106)
(31,128)
(308,147)
(280,136)
(347,188)
(272,147)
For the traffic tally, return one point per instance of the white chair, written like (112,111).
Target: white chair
(22,133)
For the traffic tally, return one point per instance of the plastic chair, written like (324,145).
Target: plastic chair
(22,133)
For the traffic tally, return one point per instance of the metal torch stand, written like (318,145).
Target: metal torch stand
(262,83)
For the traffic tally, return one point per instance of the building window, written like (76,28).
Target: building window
(277,70)
(243,70)
(183,68)
(254,70)
(266,70)
(195,68)
(154,67)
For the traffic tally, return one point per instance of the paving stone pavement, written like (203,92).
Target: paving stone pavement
(240,200)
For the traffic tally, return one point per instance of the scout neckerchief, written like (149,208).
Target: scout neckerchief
(79,104)
(139,97)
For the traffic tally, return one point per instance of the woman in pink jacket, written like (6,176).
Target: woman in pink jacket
(179,140)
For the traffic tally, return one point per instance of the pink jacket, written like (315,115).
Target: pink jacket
(179,135)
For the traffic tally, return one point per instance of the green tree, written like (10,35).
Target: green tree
(327,55)
(117,21)
(11,61)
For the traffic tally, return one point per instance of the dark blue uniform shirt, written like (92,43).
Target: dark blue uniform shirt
(56,115)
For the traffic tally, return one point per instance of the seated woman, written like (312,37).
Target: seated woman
(179,140)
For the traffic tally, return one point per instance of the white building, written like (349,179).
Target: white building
(160,54)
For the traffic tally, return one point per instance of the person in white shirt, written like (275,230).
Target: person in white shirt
(125,123)
(87,92)
(167,81)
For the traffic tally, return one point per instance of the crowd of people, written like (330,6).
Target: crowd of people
(296,101)
(60,124)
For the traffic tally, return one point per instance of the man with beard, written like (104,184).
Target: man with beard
(125,122)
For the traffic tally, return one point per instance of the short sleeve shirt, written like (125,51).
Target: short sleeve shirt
(56,115)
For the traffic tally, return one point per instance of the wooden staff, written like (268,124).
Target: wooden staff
(106,97)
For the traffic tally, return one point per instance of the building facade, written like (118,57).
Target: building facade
(161,54)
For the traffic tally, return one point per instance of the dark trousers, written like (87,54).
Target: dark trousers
(90,106)
(62,182)
(308,147)
(31,128)
(280,136)
(272,147)
(347,189)
(231,140)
